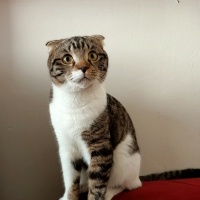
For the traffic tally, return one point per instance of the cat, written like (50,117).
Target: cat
(96,138)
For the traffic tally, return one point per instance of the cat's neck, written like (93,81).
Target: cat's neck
(84,97)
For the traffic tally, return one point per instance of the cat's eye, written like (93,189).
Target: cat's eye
(67,59)
(92,56)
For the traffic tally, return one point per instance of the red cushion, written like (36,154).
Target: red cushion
(181,189)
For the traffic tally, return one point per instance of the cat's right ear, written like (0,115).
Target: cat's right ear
(52,44)
(99,39)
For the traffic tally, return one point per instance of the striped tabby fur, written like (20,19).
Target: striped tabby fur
(97,143)
(170,175)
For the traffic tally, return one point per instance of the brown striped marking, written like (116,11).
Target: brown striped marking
(107,131)
(98,141)
(74,190)
(120,124)
(77,165)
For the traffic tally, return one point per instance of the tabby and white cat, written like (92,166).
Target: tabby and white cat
(97,143)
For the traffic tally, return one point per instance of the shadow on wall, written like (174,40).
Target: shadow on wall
(28,153)
(30,161)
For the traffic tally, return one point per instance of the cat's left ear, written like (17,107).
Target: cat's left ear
(99,39)
(52,44)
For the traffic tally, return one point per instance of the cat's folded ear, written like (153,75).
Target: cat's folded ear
(52,44)
(99,39)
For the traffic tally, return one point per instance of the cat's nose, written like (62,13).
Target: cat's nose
(82,65)
(84,69)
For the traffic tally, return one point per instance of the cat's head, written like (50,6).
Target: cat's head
(77,62)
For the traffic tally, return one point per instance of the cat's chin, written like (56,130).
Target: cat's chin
(79,86)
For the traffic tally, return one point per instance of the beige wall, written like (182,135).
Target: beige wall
(154,49)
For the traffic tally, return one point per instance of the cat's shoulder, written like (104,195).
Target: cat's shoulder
(112,102)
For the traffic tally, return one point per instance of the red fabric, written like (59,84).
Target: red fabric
(182,189)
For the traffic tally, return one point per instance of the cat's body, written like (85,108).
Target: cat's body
(97,143)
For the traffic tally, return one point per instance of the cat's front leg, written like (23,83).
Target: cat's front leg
(100,165)
(71,168)
(99,172)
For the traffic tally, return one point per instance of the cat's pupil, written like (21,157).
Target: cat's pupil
(92,55)
(68,59)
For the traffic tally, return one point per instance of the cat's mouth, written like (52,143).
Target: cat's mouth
(83,82)
(80,78)
(84,78)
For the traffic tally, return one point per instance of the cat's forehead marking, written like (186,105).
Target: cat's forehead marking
(78,44)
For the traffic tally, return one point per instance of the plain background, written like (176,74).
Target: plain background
(154,51)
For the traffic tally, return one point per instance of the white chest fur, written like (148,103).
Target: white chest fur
(74,112)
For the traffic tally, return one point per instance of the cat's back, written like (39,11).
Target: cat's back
(120,122)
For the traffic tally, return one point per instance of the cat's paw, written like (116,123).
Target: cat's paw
(136,183)
(111,192)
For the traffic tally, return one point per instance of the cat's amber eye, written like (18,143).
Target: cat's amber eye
(67,59)
(92,56)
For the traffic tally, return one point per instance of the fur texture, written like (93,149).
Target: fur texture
(170,175)
(97,143)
